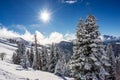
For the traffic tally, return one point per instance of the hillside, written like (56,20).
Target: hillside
(9,71)
(8,50)
(15,72)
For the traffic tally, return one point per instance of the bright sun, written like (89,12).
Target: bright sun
(44,16)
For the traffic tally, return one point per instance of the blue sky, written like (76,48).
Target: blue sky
(21,15)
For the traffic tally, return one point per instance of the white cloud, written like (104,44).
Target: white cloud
(69,36)
(5,33)
(69,1)
(27,36)
(55,37)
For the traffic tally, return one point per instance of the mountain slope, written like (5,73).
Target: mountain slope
(8,50)
(15,72)
(9,71)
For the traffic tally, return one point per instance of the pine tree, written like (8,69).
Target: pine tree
(21,48)
(60,67)
(44,58)
(16,58)
(89,60)
(68,72)
(118,67)
(77,44)
(112,68)
(18,54)
(31,56)
(28,53)
(25,62)
(37,60)
(54,54)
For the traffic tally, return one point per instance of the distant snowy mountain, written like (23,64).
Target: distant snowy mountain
(107,37)
(18,39)
(67,48)
(110,39)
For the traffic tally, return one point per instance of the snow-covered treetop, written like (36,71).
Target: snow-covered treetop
(90,19)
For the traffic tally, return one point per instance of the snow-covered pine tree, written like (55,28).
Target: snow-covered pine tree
(40,58)
(37,60)
(25,62)
(60,67)
(28,53)
(89,60)
(54,54)
(74,62)
(111,69)
(48,48)
(21,48)
(57,53)
(44,56)
(118,67)
(18,54)
(31,56)
(68,71)
(52,59)
(16,58)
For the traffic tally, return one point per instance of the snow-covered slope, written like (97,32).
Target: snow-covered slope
(14,72)
(9,71)
(8,50)
(8,47)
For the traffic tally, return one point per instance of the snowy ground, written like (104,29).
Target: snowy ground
(14,72)
(8,50)
(10,71)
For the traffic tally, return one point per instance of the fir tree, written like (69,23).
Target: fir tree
(18,54)
(16,58)
(118,67)
(37,60)
(28,53)
(60,67)
(54,54)
(44,58)
(89,60)
(31,56)
(111,69)
(25,62)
